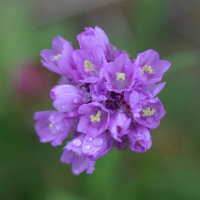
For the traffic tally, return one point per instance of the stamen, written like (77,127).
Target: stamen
(51,126)
(147,112)
(77,154)
(57,56)
(138,144)
(96,118)
(88,66)
(120,76)
(147,68)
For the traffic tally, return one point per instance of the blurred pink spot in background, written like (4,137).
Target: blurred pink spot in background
(31,80)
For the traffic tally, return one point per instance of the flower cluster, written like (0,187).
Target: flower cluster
(104,99)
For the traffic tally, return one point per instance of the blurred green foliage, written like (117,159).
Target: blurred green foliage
(30,170)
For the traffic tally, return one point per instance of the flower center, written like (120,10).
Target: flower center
(51,126)
(88,66)
(96,118)
(147,68)
(57,56)
(112,105)
(120,76)
(147,112)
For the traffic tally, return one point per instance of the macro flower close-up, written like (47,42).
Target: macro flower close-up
(99,100)
(107,101)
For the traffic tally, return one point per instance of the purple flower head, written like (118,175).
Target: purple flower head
(52,57)
(97,147)
(119,125)
(74,155)
(92,37)
(119,75)
(105,99)
(52,126)
(139,139)
(150,114)
(151,68)
(95,119)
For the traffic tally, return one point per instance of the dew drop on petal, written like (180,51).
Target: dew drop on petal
(76,143)
(97,142)
(75,100)
(149,120)
(63,106)
(57,127)
(66,122)
(51,117)
(44,140)
(71,114)
(136,115)
(51,58)
(88,138)
(139,134)
(156,114)
(87,147)
(154,70)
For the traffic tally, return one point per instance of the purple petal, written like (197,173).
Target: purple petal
(58,44)
(51,129)
(119,125)
(93,128)
(82,163)
(122,65)
(97,147)
(66,97)
(139,139)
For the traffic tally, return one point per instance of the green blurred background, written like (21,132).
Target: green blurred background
(30,170)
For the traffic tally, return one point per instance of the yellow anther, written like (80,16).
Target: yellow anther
(57,56)
(147,112)
(96,118)
(120,76)
(88,66)
(77,154)
(147,68)
(51,126)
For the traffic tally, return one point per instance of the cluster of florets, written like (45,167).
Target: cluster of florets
(104,99)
